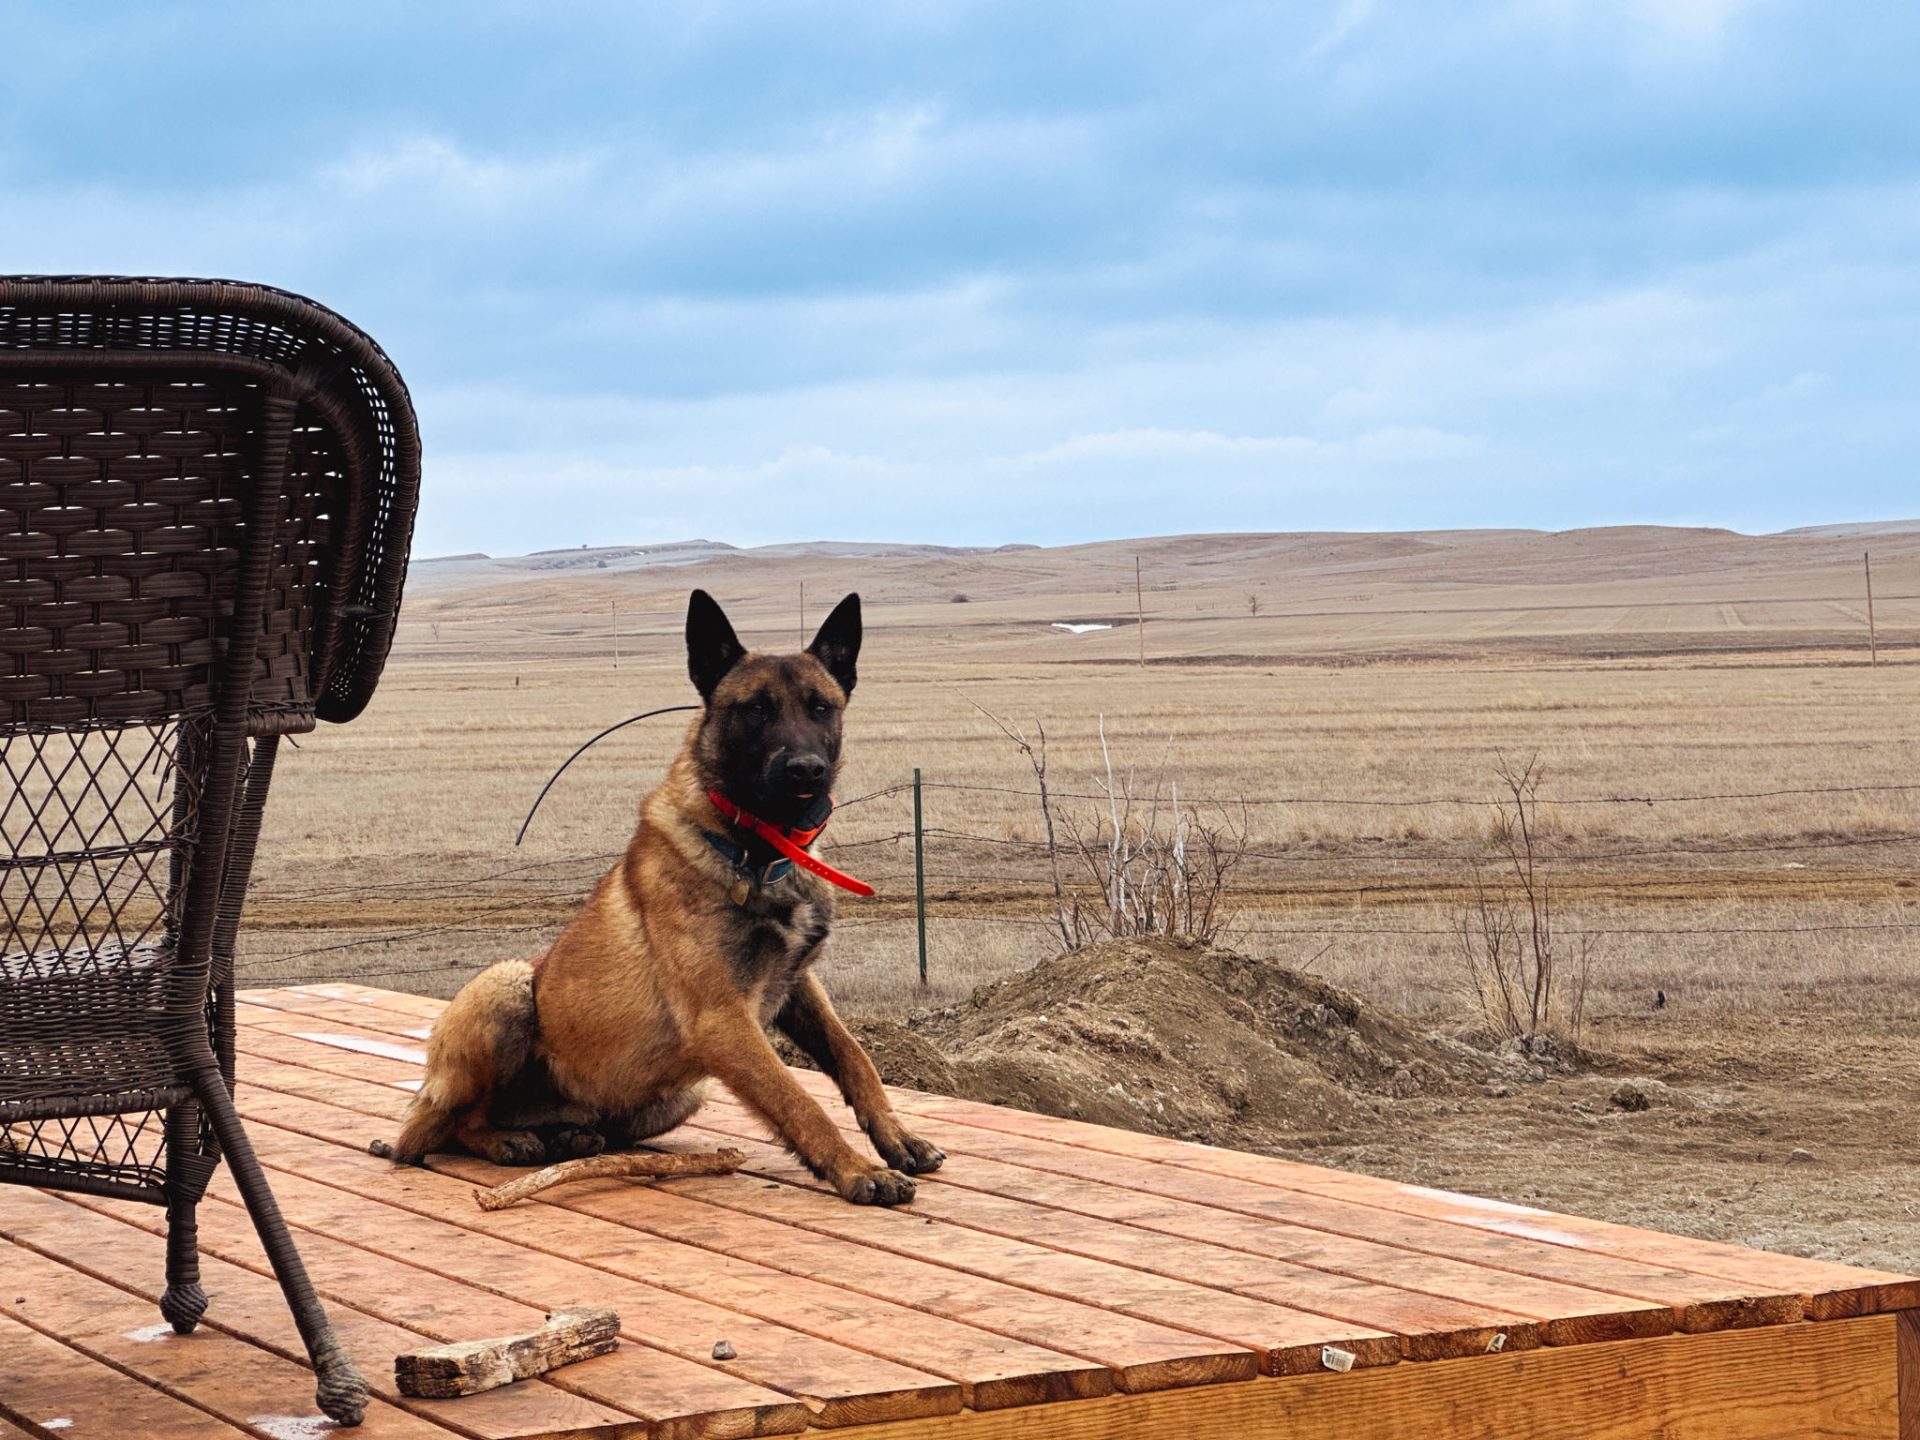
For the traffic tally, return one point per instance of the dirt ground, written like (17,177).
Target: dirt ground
(1791,1132)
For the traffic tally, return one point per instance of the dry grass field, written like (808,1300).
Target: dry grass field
(1356,693)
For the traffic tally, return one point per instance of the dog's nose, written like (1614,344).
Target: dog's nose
(806,772)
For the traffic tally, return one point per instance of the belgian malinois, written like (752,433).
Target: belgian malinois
(705,932)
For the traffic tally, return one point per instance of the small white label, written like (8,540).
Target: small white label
(1497,1343)
(1336,1359)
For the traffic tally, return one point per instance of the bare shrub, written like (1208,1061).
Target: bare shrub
(1137,862)
(1505,933)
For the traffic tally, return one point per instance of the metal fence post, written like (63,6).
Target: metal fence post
(920,876)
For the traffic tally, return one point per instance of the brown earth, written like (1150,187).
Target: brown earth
(1176,1038)
(1780,1139)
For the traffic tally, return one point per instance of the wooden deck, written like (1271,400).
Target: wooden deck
(1054,1279)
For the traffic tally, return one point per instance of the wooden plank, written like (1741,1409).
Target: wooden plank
(1907,1358)
(1832,1291)
(993,1370)
(1290,1340)
(839,1385)
(1429,1327)
(412,1028)
(400,1000)
(242,1384)
(1438,1307)
(1829,1290)
(1436,1329)
(48,1384)
(678,1397)
(1140,1354)
(122,1244)
(1699,1303)
(1493,1304)
(1833,1381)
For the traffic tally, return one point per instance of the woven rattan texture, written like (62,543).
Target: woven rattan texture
(97,823)
(121,519)
(184,430)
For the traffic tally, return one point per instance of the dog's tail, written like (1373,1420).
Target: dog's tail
(480,1041)
(427,1127)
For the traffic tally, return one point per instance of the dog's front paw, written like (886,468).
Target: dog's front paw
(574,1142)
(516,1147)
(909,1154)
(876,1186)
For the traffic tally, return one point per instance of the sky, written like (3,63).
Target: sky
(978,273)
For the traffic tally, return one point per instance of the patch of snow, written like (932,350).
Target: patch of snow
(1472,1202)
(385,1049)
(1536,1232)
(60,1424)
(1078,629)
(147,1334)
(293,1427)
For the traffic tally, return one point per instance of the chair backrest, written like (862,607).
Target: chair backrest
(207,493)
(130,423)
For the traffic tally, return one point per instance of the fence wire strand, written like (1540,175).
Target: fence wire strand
(1027,899)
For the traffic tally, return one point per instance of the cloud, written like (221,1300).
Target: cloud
(984,270)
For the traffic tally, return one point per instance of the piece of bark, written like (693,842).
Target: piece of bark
(595,1167)
(468,1367)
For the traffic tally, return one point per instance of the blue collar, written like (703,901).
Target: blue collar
(736,856)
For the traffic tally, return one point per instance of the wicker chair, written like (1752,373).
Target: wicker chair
(206,496)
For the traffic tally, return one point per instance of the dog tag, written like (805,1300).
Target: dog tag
(739,891)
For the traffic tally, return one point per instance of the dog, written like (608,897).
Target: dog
(703,934)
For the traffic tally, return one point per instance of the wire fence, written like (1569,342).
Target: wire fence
(956,860)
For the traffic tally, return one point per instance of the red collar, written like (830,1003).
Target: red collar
(790,843)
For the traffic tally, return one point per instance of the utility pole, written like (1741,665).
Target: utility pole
(1873,637)
(616,634)
(1139,612)
(803,614)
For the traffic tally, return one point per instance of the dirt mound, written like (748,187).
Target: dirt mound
(1174,1038)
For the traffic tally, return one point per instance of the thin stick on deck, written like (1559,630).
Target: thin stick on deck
(598,1167)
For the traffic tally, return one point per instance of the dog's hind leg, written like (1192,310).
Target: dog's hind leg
(654,1118)
(479,1045)
(809,1020)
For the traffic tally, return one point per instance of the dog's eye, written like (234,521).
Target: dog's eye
(756,710)
(821,709)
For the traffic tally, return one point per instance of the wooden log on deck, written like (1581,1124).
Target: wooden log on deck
(468,1367)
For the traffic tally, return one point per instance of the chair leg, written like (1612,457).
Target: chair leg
(341,1393)
(184,1302)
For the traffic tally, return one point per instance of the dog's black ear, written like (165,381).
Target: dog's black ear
(712,647)
(837,646)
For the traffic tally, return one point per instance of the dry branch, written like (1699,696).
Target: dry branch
(468,1367)
(596,1167)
